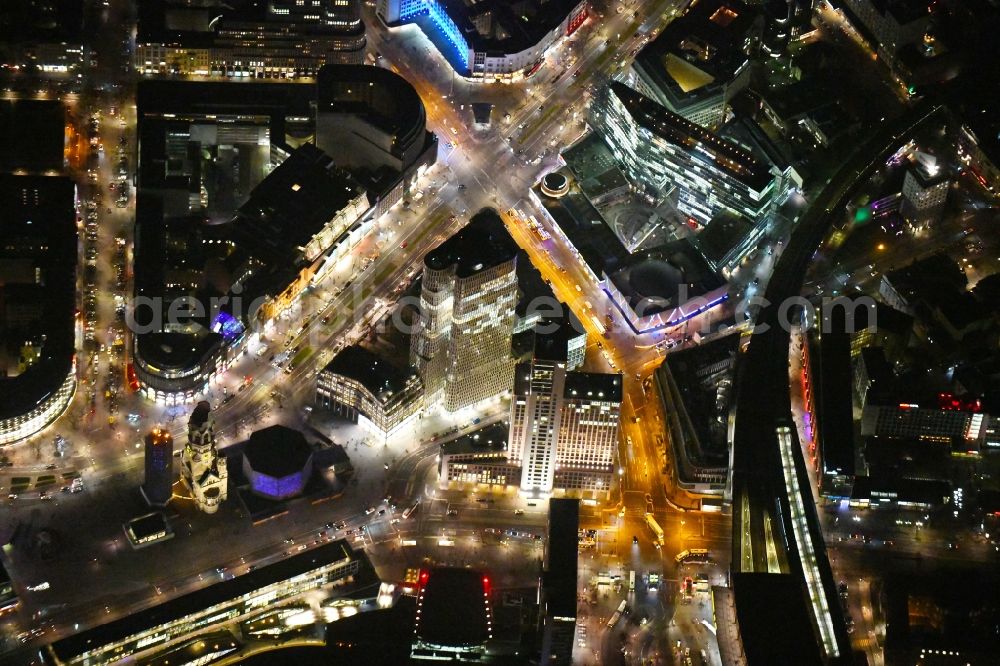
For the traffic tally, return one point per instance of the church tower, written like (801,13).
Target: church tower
(202,469)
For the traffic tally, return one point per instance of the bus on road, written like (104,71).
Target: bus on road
(655,529)
(409,512)
(693,556)
(613,620)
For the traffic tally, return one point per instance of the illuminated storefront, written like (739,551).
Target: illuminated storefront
(237,600)
(510,54)
(359,386)
(48,409)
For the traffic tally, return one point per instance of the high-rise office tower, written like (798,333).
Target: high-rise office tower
(159,478)
(925,191)
(563,425)
(461,345)
(202,469)
(663,151)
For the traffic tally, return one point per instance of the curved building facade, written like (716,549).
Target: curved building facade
(363,388)
(174,368)
(17,423)
(490,40)
(38,257)
(368,117)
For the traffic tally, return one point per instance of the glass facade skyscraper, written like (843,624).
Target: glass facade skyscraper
(662,150)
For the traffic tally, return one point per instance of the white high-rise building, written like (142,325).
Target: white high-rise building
(925,191)
(202,468)
(663,151)
(461,346)
(563,425)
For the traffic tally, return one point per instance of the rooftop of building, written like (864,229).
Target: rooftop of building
(553,333)
(987,291)
(159,437)
(169,350)
(489,438)
(927,172)
(890,459)
(701,50)
(665,277)
(378,376)
(291,205)
(886,318)
(482,113)
(197,24)
(149,525)
(561,554)
(38,244)
(927,610)
(606,387)
(32,133)
(501,26)
(221,592)
(380,96)
(482,244)
(586,229)
(725,155)
(918,390)
(277,451)
(923,274)
(161,97)
(453,607)
(163,102)
(875,364)
(940,283)
(903,11)
(55,21)
(721,234)
(925,491)
(798,99)
(703,375)
(773,600)
(834,391)
(749,135)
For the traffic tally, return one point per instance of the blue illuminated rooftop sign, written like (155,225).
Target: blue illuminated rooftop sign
(227,326)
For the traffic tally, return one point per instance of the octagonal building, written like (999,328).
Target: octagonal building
(278,462)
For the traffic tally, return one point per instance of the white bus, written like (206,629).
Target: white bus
(613,620)
(656,529)
(409,512)
(695,555)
